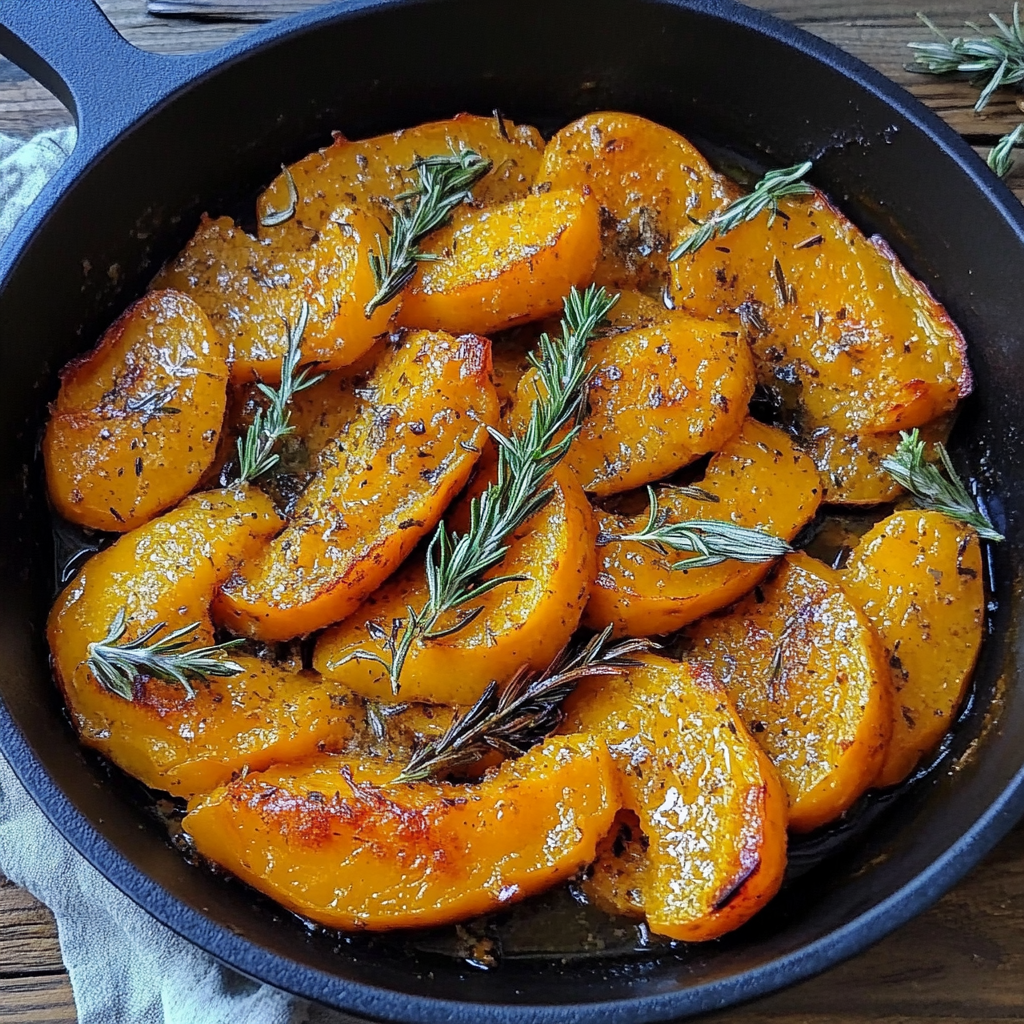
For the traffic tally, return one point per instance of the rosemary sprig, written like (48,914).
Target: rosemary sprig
(445,182)
(256,449)
(1000,157)
(529,708)
(456,563)
(713,540)
(118,665)
(930,489)
(775,185)
(272,218)
(991,60)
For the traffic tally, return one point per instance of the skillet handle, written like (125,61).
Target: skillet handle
(71,48)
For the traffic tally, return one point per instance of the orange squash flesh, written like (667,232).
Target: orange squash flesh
(648,181)
(408,455)
(335,840)
(836,312)
(365,174)
(504,265)
(761,480)
(660,397)
(253,291)
(524,623)
(707,798)
(136,421)
(918,577)
(808,676)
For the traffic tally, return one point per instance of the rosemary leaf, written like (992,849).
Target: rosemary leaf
(529,708)
(117,665)
(256,449)
(775,185)
(990,60)
(713,540)
(456,563)
(1000,157)
(445,182)
(274,217)
(930,489)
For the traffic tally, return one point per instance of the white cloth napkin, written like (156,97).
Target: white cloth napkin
(125,967)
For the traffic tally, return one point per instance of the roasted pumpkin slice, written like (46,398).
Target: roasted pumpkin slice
(167,571)
(759,480)
(521,624)
(409,453)
(504,265)
(370,173)
(136,420)
(834,313)
(708,801)
(918,577)
(660,397)
(253,292)
(808,676)
(648,181)
(335,840)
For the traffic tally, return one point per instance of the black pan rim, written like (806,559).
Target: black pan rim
(252,960)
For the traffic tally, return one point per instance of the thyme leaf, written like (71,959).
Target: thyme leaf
(256,449)
(456,563)
(529,708)
(117,665)
(713,540)
(775,185)
(445,182)
(930,489)
(991,60)
(1000,157)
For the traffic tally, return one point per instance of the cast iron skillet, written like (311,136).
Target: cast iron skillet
(164,138)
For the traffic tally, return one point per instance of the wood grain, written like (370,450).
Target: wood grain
(963,960)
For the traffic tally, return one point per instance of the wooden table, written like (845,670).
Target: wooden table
(961,961)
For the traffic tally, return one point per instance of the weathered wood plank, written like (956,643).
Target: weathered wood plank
(28,934)
(44,999)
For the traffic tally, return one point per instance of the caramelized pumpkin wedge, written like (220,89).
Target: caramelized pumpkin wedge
(372,172)
(136,420)
(660,397)
(758,480)
(167,571)
(648,180)
(253,292)
(521,624)
(504,265)
(707,798)
(409,453)
(808,676)
(336,841)
(918,577)
(834,312)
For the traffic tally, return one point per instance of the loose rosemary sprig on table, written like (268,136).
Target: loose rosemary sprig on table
(1000,157)
(256,449)
(445,182)
(513,719)
(991,60)
(117,665)
(930,489)
(713,540)
(456,563)
(775,185)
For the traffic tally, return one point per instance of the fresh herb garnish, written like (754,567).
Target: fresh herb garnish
(272,218)
(1000,157)
(445,182)
(456,563)
(990,60)
(712,540)
(775,185)
(515,718)
(256,449)
(117,665)
(930,489)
